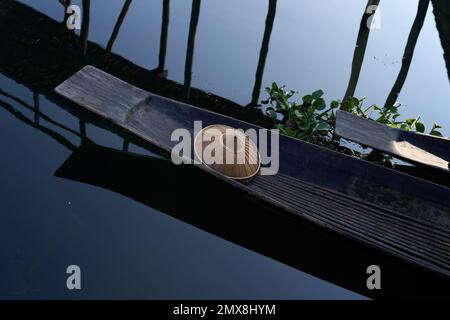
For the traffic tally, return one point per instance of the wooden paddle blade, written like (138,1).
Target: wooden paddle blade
(412,147)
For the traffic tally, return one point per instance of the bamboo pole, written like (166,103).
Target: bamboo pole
(37,107)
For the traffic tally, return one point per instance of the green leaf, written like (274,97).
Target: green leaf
(420,127)
(436,133)
(405,126)
(323,126)
(317,94)
(334,104)
(271,113)
(410,121)
(319,104)
(307,99)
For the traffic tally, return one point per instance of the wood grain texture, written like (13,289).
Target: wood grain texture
(390,211)
(409,146)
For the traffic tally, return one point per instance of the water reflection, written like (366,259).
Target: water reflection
(442,15)
(163,39)
(51,58)
(195,13)
(263,52)
(357,61)
(35,124)
(84,34)
(360,48)
(409,52)
(117,27)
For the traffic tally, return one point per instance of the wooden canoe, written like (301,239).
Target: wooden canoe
(403,216)
(257,225)
(412,147)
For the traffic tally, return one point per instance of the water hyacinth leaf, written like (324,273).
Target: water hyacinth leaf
(310,120)
(334,104)
(323,126)
(410,121)
(304,125)
(271,113)
(317,94)
(420,127)
(436,133)
(319,104)
(405,126)
(307,99)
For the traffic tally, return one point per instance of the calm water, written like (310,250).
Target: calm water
(127,249)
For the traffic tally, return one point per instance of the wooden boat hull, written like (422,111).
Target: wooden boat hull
(404,216)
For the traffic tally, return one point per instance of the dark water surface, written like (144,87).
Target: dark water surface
(128,250)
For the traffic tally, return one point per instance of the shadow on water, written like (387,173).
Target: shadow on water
(210,204)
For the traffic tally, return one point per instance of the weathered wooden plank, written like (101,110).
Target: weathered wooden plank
(398,214)
(412,147)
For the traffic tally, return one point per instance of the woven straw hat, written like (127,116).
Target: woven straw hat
(228,151)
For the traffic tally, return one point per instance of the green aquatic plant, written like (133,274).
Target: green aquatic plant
(312,120)
(306,120)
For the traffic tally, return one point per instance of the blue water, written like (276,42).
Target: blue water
(128,250)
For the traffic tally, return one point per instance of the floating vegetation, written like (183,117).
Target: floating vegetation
(312,120)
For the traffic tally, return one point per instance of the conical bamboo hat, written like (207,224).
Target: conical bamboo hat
(228,151)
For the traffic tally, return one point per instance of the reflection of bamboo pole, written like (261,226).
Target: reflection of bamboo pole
(37,108)
(126,145)
(66,4)
(82,125)
(263,52)
(190,48)
(85,25)
(360,49)
(164,35)
(409,52)
(441,10)
(55,135)
(117,27)
(38,112)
